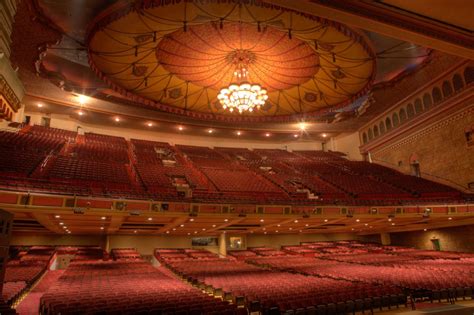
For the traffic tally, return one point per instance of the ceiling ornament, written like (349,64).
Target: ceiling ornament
(308,66)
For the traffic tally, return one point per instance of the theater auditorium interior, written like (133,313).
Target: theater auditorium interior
(303,157)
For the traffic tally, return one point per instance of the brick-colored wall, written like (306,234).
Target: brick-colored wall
(441,149)
(459,239)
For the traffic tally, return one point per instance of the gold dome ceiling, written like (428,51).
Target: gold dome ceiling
(176,57)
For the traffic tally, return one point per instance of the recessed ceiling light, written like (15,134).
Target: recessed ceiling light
(117,119)
(296,221)
(290,229)
(61,223)
(210,131)
(366,224)
(264,229)
(103,218)
(301,231)
(370,226)
(189,233)
(203,229)
(264,232)
(262,220)
(149,124)
(390,220)
(324,135)
(276,231)
(57,216)
(306,224)
(135,231)
(174,229)
(325,220)
(225,220)
(181,225)
(40,105)
(68,232)
(195,232)
(191,220)
(180,128)
(450,218)
(101,227)
(358,220)
(167,232)
(239,133)
(393,223)
(213,225)
(150,219)
(352,229)
(278,225)
(65,227)
(425,230)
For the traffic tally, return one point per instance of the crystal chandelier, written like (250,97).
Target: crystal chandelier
(242,96)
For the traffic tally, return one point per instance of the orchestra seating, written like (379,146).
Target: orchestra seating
(59,161)
(125,287)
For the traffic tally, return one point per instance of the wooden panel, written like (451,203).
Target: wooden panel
(47,201)
(210,209)
(98,204)
(9,198)
(138,206)
(332,211)
(443,210)
(179,207)
(274,210)
(242,209)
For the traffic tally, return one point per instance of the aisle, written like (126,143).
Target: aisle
(30,304)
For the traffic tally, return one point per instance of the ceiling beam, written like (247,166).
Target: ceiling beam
(372,16)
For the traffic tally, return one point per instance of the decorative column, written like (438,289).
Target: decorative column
(385,238)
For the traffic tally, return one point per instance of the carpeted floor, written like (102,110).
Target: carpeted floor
(30,304)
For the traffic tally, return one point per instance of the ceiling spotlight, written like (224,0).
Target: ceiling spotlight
(40,105)
(117,119)
(213,225)
(167,232)
(181,225)
(191,220)
(239,133)
(65,227)
(80,113)
(225,220)
(174,229)
(278,225)
(267,135)
(189,233)
(57,216)
(306,224)
(68,232)
(135,231)
(290,229)
(210,131)
(450,218)
(103,218)
(264,232)
(101,227)
(180,128)
(195,232)
(324,135)
(295,135)
(203,229)
(425,230)
(82,99)
(366,224)
(296,221)
(150,219)
(264,229)
(393,223)
(352,229)
(358,220)
(389,219)
(262,220)
(325,220)
(61,223)
(276,231)
(149,124)
(302,126)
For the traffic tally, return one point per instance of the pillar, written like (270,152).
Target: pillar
(385,238)
(222,245)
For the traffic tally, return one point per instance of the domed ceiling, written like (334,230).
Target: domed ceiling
(175,56)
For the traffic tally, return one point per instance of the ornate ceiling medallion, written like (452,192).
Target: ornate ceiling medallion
(201,48)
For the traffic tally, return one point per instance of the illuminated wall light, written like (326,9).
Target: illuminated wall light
(357,220)
(149,124)
(40,105)
(57,216)
(150,219)
(225,220)
(296,221)
(450,218)
(135,231)
(189,233)
(262,220)
(191,220)
(180,128)
(302,126)
(267,135)
(61,223)
(325,220)
(393,223)
(80,113)
(103,218)
(174,229)
(295,135)
(324,135)
(81,99)
(167,232)
(213,225)
(181,225)
(210,131)
(425,230)
(117,119)
(239,133)
(101,227)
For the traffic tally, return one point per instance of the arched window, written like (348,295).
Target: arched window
(371,135)
(376,131)
(410,111)
(364,138)
(403,115)
(382,128)
(388,124)
(418,106)
(395,120)
(437,97)
(457,82)
(427,103)
(447,89)
(469,75)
